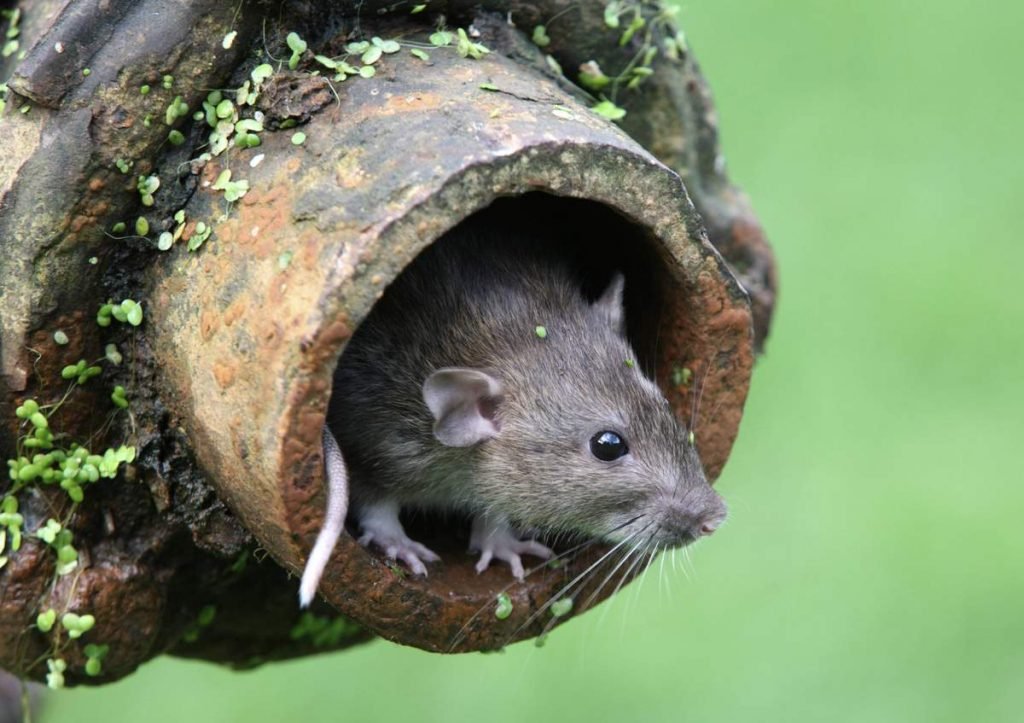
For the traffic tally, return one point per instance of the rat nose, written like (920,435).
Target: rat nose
(688,520)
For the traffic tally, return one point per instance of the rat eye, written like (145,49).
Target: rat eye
(608,446)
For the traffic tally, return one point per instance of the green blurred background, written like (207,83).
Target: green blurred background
(873,565)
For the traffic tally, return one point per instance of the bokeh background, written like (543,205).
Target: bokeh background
(873,565)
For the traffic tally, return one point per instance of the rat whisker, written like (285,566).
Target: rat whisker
(574,550)
(648,553)
(586,605)
(688,560)
(628,575)
(622,580)
(536,568)
(661,575)
(593,595)
(558,596)
(698,393)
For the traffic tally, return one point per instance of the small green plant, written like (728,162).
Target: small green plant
(81,371)
(467,48)
(94,655)
(562,607)
(55,676)
(77,625)
(118,397)
(128,311)
(203,620)
(504,606)
(681,376)
(177,109)
(147,186)
(199,236)
(45,620)
(11,42)
(541,332)
(323,632)
(609,110)
(298,46)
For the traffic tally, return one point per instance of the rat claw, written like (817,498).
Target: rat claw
(484,561)
(382,528)
(494,538)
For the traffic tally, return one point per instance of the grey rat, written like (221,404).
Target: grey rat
(484,382)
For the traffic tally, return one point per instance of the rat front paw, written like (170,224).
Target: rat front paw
(494,538)
(382,528)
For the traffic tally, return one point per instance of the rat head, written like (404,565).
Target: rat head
(567,435)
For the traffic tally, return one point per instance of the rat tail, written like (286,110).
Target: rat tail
(334,519)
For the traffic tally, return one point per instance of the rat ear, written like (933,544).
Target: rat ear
(464,404)
(610,306)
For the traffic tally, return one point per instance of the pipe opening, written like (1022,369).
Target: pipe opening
(596,242)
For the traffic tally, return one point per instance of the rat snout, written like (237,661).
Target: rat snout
(689,517)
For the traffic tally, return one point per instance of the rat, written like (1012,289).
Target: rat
(485,382)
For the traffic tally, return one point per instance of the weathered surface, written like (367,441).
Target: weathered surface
(228,377)
(403,157)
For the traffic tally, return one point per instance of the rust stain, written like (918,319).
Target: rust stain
(234,312)
(225,372)
(269,211)
(406,102)
(208,323)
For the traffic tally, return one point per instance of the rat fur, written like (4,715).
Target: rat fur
(448,397)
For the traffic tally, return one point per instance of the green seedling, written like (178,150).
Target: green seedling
(94,655)
(504,607)
(177,109)
(77,625)
(147,186)
(45,620)
(609,110)
(55,676)
(118,398)
(562,607)
(298,46)
(591,76)
(112,355)
(466,48)
(681,376)
(233,190)
(80,372)
(128,311)
(199,236)
(441,39)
